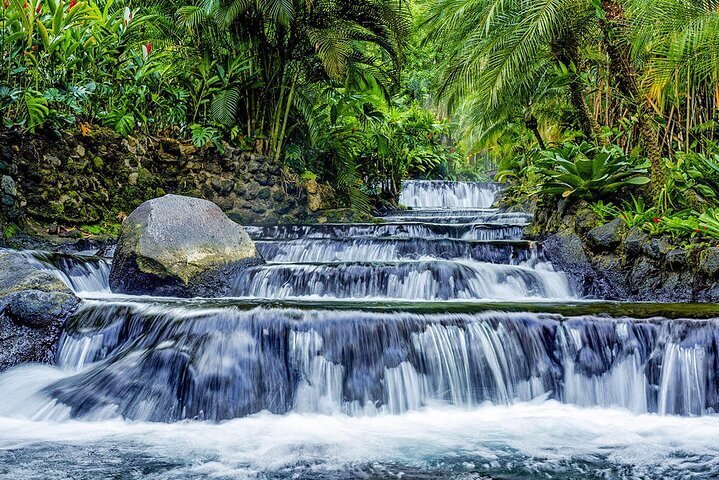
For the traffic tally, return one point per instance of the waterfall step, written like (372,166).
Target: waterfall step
(420,280)
(465,231)
(167,363)
(388,249)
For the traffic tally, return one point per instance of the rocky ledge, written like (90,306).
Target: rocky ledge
(612,261)
(34,304)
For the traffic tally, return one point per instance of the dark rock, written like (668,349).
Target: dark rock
(180,246)
(709,262)
(607,237)
(656,248)
(644,276)
(634,241)
(677,259)
(585,220)
(566,251)
(264,194)
(38,309)
(34,304)
(223,186)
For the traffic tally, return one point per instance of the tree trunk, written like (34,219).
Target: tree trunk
(530,121)
(565,50)
(626,80)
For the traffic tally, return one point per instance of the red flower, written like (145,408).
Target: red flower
(6,4)
(148,47)
(25,5)
(451,150)
(72,4)
(696,230)
(656,220)
(38,8)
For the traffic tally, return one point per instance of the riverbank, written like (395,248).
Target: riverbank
(614,262)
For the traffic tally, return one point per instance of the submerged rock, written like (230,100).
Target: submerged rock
(180,246)
(34,304)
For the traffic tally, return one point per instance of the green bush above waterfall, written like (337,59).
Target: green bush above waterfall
(586,171)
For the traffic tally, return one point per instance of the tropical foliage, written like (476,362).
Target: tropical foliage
(316,84)
(637,77)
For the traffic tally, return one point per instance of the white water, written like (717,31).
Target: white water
(363,394)
(439,194)
(544,440)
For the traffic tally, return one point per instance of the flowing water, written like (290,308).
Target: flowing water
(438,344)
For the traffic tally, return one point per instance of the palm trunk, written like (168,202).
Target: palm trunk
(566,52)
(626,79)
(530,121)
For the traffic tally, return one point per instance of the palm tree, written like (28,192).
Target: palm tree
(293,44)
(504,50)
(677,42)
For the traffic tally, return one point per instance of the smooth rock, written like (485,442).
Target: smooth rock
(34,304)
(38,309)
(180,246)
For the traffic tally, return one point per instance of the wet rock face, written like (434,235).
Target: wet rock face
(613,262)
(38,309)
(180,246)
(606,237)
(33,307)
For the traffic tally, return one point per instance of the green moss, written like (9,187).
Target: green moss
(110,229)
(98,163)
(144,177)
(10,231)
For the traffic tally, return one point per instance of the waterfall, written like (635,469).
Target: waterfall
(82,273)
(410,280)
(146,361)
(338,250)
(369,350)
(441,194)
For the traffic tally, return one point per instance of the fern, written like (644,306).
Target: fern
(224,106)
(35,110)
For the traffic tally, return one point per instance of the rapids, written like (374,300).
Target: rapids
(399,349)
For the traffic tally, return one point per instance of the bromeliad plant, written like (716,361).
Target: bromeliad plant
(589,172)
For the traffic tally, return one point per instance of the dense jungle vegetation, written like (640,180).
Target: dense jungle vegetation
(609,101)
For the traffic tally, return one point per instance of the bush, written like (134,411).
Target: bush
(589,172)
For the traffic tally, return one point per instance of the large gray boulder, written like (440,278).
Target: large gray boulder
(34,304)
(180,246)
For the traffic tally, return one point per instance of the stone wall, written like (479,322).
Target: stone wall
(615,262)
(74,179)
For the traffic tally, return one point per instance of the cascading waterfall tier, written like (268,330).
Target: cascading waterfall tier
(510,252)
(409,280)
(465,231)
(82,273)
(169,362)
(443,194)
(404,393)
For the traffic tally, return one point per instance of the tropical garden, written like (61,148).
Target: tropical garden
(613,102)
